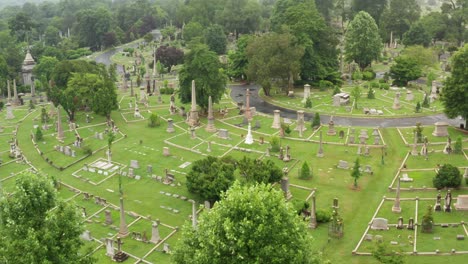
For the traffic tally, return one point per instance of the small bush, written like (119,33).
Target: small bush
(87,150)
(374,84)
(458,146)
(308,103)
(275,144)
(305,171)
(154,120)
(39,136)
(316,120)
(367,75)
(324,85)
(323,216)
(448,176)
(385,86)
(382,81)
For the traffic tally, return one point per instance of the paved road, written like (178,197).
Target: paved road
(238,94)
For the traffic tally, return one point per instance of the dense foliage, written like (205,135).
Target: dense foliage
(448,176)
(251,224)
(37,227)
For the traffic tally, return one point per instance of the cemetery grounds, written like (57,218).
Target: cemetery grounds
(148,199)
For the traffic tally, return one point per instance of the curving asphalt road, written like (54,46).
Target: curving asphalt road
(238,94)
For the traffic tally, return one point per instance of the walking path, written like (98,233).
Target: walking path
(238,95)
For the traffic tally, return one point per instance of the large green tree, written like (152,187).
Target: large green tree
(216,39)
(37,227)
(417,35)
(91,25)
(251,224)
(398,18)
(240,16)
(455,91)
(209,177)
(259,171)
(44,69)
(404,70)
(203,66)
(372,7)
(319,40)
(238,61)
(362,41)
(435,24)
(273,56)
(457,11)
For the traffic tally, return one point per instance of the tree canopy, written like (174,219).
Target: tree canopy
(259,171)
(251,224)
(273,56)
(37,227)
(210,177)
(406,69)
(448,176)
(455,91)
(203,66)
(362,40)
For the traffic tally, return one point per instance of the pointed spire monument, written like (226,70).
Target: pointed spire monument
(210,126)
(193,119)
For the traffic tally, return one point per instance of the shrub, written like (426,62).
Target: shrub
(385,86)
(382,81)
(357,75)
(275,144)
(1,105)
(324,85)
(87,150)
(418,107)
(448,176)
(371,94)
(336,90)
(427,221)
(305,171)
(316,120)
(458,148)
(367,76)
(39,136)
(154,120)
(308,103)
(323,216)
(374,84)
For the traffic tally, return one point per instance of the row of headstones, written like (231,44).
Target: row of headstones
(363,136)
(382,224)
(67,150)
(342,164)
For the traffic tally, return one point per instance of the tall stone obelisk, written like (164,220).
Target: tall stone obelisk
(193,119)
(123,230)
(9,91)
(313,216)
(396,206)
(210,126)
(15,94)
(60,136)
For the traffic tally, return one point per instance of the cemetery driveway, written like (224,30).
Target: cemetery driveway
(238,94)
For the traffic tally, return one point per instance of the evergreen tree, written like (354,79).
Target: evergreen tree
(418,107)
(427,221)
(39,135)
(308,103)
(458,148)
(356,173)
(305,171)
(316,121)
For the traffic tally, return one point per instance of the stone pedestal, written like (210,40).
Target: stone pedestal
(247,112)
(285,188)
(396,206)
(300,122)
(440,129)
(9,112)
(306,92)
(320,150)
(276,119)
(313,217)
(331,127)
(170,126)
(249,138)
